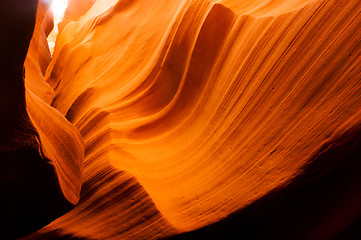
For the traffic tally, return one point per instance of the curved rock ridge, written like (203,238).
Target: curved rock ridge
(60,140)
(322,202)
(39,57)
(75,10)
(264,8)
(192,110)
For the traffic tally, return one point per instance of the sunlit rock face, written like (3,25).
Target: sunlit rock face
(193,110)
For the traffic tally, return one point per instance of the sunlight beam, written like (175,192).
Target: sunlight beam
(58,8)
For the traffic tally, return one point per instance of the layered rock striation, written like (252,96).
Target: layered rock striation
(195,111)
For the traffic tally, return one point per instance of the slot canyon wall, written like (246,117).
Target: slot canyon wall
(187,119)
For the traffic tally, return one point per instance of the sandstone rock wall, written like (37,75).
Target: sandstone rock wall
(191,110)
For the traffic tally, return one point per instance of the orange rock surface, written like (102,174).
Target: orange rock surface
(192,110)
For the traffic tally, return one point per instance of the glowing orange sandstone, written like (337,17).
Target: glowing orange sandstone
(192,110)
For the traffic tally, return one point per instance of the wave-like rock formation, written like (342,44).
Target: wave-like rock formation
(237,118)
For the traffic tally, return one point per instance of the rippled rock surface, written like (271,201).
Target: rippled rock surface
(217,118)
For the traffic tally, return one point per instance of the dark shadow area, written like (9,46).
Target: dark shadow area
(30,193)
(17,22)
(323,202)
(351,232)
(55,235)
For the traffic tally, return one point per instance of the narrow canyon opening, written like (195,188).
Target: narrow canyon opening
(58,8)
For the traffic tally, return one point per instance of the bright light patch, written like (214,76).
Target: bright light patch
(58,8)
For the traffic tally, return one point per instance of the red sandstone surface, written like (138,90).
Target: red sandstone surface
(188,119)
